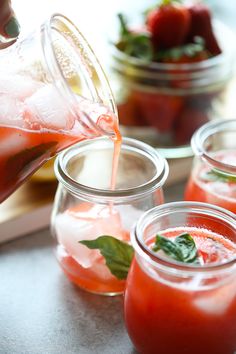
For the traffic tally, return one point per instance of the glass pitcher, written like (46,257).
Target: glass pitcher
(53,93)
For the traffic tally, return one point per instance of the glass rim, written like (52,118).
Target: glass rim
(208,63)
(87,192)
(169,265)
(54,65)
(206,131)
(142,65)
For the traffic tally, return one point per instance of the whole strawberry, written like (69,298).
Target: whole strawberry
(201,26)
(168,24)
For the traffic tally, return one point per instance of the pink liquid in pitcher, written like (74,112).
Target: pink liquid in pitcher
(35,125)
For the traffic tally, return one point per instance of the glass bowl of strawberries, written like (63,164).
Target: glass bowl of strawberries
(172,74)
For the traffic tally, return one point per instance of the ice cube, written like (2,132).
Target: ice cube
(14,142)
(11,111)
(47,108)
(87,222)
(101,270)
(216,301)
(18,86)
(218,188)
(107,221)
(69,232)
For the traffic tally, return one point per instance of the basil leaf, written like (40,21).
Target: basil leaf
(216,175)
(187,247)
(168,246)
(182,249)
(118,254)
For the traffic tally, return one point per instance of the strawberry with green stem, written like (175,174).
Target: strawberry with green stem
(169,24)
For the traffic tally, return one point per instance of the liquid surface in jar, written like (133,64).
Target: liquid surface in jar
(211,247)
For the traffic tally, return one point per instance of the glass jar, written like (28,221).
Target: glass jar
(174,307)
(163,104)
(53,93)
(213,176)
(85,207)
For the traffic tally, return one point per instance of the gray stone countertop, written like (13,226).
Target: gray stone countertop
(41,312)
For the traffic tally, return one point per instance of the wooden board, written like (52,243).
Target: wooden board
(27,210)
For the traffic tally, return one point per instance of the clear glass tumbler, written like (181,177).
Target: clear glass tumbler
(174,307)
(213,176)
(85,207)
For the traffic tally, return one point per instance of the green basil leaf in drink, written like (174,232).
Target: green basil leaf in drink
(118,254)
(167,246)
(24,160)
(182,248)
(216,176)
(187,247)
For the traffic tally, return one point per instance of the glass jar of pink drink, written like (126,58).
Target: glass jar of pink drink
(213,176)
(97,197)
(180,295)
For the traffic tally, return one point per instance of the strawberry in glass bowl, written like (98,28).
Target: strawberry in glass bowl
(172,74)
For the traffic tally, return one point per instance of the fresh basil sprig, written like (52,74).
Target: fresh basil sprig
(182,248)
(119,254)
(216,175)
